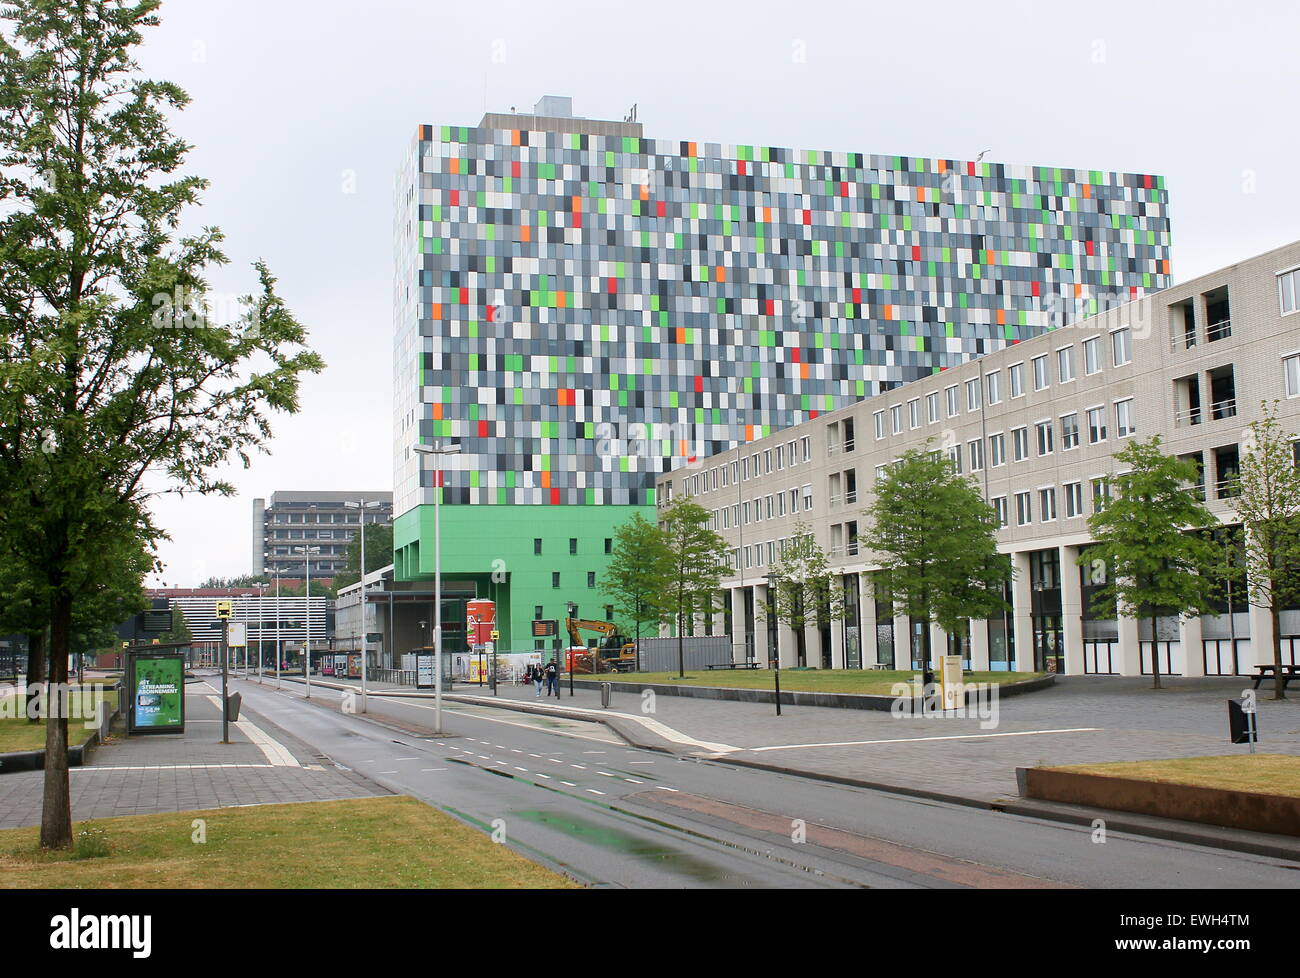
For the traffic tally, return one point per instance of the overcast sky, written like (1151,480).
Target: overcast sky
(302,108)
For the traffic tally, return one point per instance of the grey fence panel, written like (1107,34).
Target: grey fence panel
(660,654)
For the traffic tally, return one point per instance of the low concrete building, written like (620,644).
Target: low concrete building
(1036,424)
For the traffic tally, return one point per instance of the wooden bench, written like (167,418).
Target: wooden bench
(1267,672)
(733,665)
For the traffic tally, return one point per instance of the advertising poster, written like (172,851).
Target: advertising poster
(157,694)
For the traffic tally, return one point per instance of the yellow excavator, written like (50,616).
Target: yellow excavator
(614,654)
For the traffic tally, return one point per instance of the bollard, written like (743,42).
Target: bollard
(605,690)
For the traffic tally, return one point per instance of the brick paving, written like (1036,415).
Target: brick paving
(167,772)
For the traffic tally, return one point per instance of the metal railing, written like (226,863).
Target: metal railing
(1219,331)
(1227,408)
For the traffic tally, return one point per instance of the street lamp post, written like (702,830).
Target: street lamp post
(361,506)
(437,451)
(306,553)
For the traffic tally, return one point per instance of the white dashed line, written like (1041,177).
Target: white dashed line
(595,792)
(634,781)
(546,776)
(580,767)
(662,788)
(606,773)
(569,783)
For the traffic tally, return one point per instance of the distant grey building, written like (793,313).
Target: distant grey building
(310,519)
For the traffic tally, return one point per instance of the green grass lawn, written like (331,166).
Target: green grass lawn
(878,682)
(389,842)
(17,734)
(1270,774)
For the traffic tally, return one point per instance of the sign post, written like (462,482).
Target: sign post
(223,615)
(950,679)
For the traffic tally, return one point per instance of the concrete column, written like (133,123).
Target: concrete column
(902,640)
(1261,638)
(737,624)
(979,645)
(1193,649)
(812,644)
(1130,648)
(837,643)
(1021,601)
(867,618)
(1072,611)
(938,645)
(789,650)
(761,650)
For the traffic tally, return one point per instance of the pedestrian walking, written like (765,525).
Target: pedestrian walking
(552,680)
(537,677)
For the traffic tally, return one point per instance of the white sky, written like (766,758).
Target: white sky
(292,98)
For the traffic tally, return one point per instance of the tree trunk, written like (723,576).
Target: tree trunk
(56,809)
(1279,684)
(35,670)
(1155,656)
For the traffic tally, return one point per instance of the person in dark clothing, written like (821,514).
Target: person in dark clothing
(535,673)
(552,679)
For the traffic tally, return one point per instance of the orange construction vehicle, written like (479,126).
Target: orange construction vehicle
(613,654)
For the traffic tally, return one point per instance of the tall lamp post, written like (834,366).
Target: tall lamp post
(361,506)
(437,451)
(306,553)
(275,572)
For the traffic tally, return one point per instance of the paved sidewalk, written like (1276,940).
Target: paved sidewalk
(1079,720)
(167,772)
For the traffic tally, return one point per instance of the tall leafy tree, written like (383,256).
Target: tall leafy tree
(695,559)
(1155,566)
(801,588)
(379,553)
(1265,496)
(638,575)
(935,536)
(121,377)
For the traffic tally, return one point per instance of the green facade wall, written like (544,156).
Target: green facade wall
(494,547)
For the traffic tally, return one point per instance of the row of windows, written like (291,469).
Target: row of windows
(1043,501)
(555,578)
(752,466)
(573,545)
(764,507)
(890,420)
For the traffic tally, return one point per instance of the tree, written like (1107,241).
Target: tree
(240,580)
(801,589)
(935,537)
(1265,496)
(638,575)
(1154,565)
(118,367)
(695,558)
(180,630)
(379,553)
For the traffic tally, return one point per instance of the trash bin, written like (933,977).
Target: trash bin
(232,707)
(605,690)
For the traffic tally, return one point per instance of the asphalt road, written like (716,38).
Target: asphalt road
(571,795)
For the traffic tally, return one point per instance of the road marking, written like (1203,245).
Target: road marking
(569,783)
(580,767)
(427,770)
(595,752)
(606,773)
(555,760)
(385,772)
(166,767)
(634,781)
(518,768)
(406,758)
(914,740)
(546,776)
(640,762)
(662,788)
(595,792)
(272,749)
(531,754)
(654,726)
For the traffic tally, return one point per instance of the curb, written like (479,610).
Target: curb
(843,701)
(34,760)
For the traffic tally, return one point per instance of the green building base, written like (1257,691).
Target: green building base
(492,552)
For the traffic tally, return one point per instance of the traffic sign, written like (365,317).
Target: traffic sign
(223,609)
(496,635)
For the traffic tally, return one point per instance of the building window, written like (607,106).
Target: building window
(609,545)
(807,498)
(997,450)
(1016,379)
(1069,431)
(993,385)
(1043,433)
(953,403)
(1288,288)
(1019,444)
(1024,509)
(975,451)
(1040,373)
(1096,425)
(537,611)
(1000,508)
(1100,493)
(573,545)
(879,419)
(555,578)
(1091,355)
(973,394)
(1073,499)
(537,545)
(1291,375)
(1125,424)
(1121,346)
(896,418)
(954,456)
(932,407)
(1065,364)
(914,412)
(591,578)
(1047,504)
(807,448)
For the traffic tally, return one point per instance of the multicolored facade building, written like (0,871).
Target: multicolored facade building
(582,308)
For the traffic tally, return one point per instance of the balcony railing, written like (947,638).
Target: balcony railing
(1227,408)
(1219,331)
